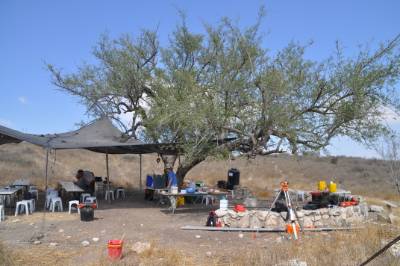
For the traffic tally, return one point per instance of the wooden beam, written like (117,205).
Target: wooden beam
(270,230)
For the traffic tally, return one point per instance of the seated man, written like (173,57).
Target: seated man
(80,181)
(172,180)
(89,181)
(85,180)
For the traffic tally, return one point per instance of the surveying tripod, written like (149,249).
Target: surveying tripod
(292,214)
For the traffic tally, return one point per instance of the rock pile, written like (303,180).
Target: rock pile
(337,216)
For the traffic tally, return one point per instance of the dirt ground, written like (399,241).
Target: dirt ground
(133,218)
(137,220)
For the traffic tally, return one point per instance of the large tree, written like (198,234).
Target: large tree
(203,88)
(119,85)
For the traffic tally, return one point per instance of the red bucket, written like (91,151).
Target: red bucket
(115,249)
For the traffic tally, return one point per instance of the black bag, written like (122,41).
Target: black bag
(149,194)
(212,219)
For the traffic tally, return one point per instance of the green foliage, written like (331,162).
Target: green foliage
(119,82)
(203,88)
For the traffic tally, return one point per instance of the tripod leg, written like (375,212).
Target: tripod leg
(300,223)
(275,200)
(273,203)
(294,230)
(295,213)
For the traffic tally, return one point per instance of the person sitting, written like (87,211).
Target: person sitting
(85,180)
(88,176)
(172,180)
(80,181)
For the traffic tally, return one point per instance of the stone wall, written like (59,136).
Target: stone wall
(332,217)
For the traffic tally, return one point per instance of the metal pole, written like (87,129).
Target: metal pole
(140,172)
(46,174)
(108,179)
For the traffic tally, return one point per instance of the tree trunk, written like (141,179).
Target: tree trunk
(184,168)
(168,160)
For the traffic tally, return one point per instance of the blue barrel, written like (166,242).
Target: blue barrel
(149,181)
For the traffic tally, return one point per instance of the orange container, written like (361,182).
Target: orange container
(115,249)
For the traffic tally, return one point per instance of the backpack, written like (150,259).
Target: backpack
(212,219)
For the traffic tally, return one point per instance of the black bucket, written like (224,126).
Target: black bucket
(87,213)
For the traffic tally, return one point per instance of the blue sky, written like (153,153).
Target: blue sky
(64,33)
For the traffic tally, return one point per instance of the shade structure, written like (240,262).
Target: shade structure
(99,136)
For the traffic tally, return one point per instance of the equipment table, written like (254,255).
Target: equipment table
(69,186)
(69,191)
(173,196)
(9,192)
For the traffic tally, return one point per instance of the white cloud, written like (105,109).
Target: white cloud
(5,122)
(22,99)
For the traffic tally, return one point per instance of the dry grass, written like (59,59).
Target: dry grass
(154,256)
(261,175)
(336,248)
(35,255)
(5,256)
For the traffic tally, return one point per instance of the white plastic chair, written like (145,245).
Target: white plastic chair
(56,203)
(71,203)
(34,191)
(84,196)
(92,200)
(109,194)
(32,205)
(24,204)
(50,193)
(120,192)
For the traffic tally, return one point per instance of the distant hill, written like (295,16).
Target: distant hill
(362,176)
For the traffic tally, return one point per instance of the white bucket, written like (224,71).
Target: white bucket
(174,190)
(223,204)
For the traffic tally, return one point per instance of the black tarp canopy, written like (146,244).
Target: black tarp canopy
(99,136)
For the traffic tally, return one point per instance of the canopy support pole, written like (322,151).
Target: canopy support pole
(140,172)
(46,174)
(108,179)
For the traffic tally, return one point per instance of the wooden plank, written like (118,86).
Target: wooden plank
(231,229)
(270,230)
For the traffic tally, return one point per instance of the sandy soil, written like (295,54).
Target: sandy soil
(134,218)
